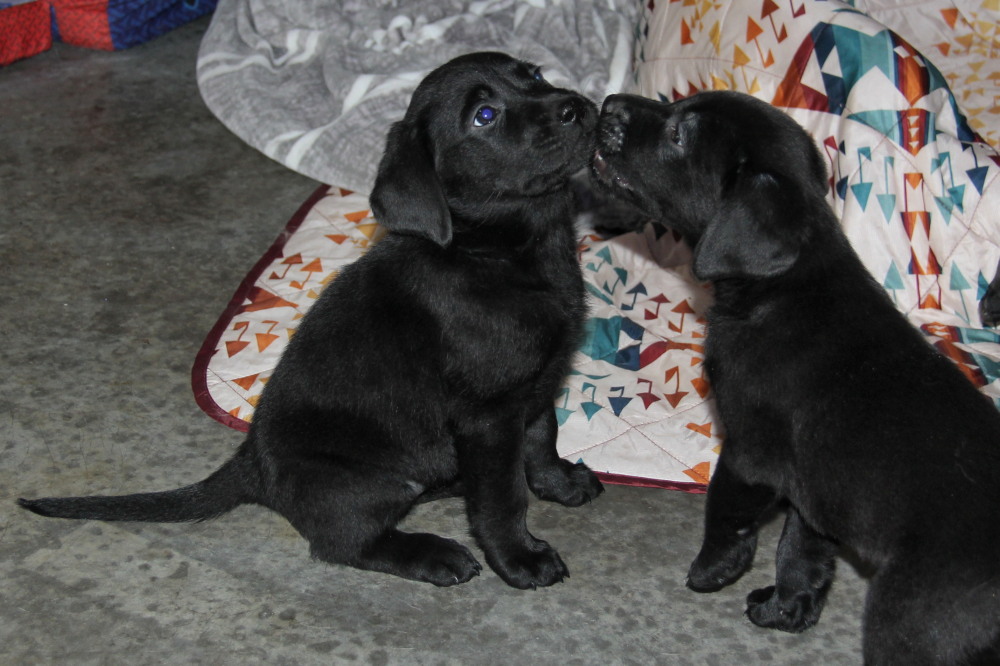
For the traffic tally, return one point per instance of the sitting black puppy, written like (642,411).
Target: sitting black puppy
(430,365)
(832,402)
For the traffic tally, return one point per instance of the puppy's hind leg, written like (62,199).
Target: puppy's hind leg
(805,568)
(350,518)
(732,513)
(550,477)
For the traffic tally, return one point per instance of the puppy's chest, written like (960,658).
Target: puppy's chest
(740,357)
(747,373)
(515,331)
(531,319)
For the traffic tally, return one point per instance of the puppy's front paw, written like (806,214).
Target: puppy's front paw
(569,484)
(450,563)
(529,567)
(766,609)
(718,566)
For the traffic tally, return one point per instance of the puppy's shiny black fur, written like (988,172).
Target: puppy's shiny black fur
(832,402)
(430,365)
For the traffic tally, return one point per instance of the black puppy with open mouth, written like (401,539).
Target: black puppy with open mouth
(833,404)
(428,367)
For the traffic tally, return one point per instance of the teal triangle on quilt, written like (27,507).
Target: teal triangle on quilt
(957,194)
(562,411)
(893,279)
(604,254)
(884,121)
(590,407)
(945,204)
(887,202)
(958,281)
(861,193)
(562,415)
(622,276)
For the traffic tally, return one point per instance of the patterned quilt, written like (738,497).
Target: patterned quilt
(912,179)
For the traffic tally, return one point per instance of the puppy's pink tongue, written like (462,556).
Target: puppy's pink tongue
(600,165)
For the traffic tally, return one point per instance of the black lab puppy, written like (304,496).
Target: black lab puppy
(433,361)
(832,402)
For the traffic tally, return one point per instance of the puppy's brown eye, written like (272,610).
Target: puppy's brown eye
(484,116)
(674,132)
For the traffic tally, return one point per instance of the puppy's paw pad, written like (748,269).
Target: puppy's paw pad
(569,484)
(530,568)
(766,609)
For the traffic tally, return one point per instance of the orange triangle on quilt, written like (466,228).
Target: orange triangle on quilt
(685,33)
(264,340)
(261,299)
(246,382)
(675,398)
(368,229)
(701,386)
(700,472)
(914,179)
(950,15)
(234,347)
(701,428)
(930,303)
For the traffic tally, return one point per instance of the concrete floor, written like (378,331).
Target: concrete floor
(128,215)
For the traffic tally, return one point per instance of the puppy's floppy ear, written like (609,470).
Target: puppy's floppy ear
(407,196)
(753,234)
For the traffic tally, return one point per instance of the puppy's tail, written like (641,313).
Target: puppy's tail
(225,489)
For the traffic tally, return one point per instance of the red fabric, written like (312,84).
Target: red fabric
(24,31)
(84,23)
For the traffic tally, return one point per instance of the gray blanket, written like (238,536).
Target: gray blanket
(316,84)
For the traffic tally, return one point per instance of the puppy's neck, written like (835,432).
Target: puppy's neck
(505,228)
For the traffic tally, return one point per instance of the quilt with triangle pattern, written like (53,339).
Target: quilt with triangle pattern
(913,180)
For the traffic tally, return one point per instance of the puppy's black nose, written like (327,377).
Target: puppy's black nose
(574,111)
(616,106)
(611,127)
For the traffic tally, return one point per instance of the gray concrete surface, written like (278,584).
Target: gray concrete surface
(128,215)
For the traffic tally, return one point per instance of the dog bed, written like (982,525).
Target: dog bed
(913,182)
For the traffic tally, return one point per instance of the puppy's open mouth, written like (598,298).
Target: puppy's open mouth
(605,173)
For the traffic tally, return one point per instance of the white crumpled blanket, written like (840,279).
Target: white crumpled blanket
(315,85)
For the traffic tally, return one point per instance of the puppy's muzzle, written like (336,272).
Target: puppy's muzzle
(611,131)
